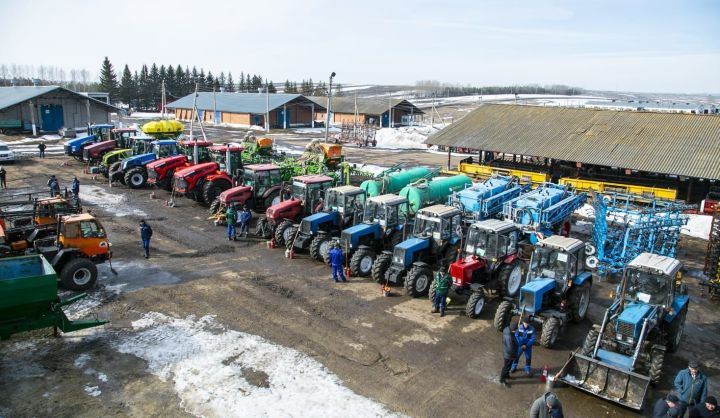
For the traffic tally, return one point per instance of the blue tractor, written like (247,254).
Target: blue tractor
(625,354)
(384,221)
(542,211)
(433,246)
(556,289)
(132,170)
(485,200)
(342,207)
(97,132)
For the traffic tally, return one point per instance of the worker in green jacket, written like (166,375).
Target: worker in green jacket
(231,219)
(442,287)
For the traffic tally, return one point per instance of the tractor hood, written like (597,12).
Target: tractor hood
(310,223)
(351,236)
(414,244)
(74,144)
(101,146)
(137,160)
(634,313)
(230,194)
(167,160)
(282,207)
(531,294)
(193,168)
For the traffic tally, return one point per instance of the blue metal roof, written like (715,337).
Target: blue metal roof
(256,103)
(11,96)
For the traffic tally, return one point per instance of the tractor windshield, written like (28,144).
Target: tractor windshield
(374,211)
(427,225)
(481,243)
(550,263)
(263,180)
(646,287)
(344,202)
(298,190)
(163,151)
(83,229)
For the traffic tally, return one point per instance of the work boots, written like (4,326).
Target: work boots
(442,312)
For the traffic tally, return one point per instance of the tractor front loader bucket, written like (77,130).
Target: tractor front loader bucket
(605,380)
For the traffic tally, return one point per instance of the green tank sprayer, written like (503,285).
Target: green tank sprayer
(392,181)
(436,191)
(30,300)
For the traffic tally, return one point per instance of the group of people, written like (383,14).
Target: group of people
(233,219)
(690,396)
(54,186)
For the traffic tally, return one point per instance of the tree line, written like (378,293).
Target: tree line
(430,88)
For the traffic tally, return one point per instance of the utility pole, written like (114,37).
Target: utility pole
(162,111)
(194,112)
(432,111)
(267,108)
(390,121)
(329,101)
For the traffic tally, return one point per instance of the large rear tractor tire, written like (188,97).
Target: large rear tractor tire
(380,267)
(361,263)
(211,190)
(431,292)
(590,341)
(550,332)
(262,229)
(579,302)
(417,281)
(511,278)
(657,358)
(290,235)
(280,232)
(136,178)
(215,206)
(319,246)
(503,314)
(78,274)
(475,304)
(675,330)
(115,173)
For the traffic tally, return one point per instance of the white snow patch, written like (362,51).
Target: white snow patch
(93,391)
(698,226)
(82,360)
(208,364)
(407,137)
(369,168)
(110,202)
(586,211)
(102,377)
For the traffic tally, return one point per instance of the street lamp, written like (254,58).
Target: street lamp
(327,119)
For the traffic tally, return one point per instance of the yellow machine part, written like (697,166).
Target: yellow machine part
(163,127)
(264,142)
(608,187)
(486,171)
(332,150)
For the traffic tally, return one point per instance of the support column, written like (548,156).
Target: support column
(32,117)
(285,116)
(87,106)
(448,165)
(312,115)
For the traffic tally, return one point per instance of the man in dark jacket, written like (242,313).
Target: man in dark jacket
(145,235)
(442,286)
(245,217)
(509,345)
(547,406)
(54,186)
(706,410)
(41,147)
(3,173)
(691,386)
(662,406)
(75,187)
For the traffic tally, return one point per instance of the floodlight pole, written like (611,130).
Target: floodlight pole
(329,101)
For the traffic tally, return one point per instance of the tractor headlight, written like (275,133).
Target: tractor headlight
(630,340)
(619,337)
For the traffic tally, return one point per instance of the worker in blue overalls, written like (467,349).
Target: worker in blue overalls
(525,336)
(337,258)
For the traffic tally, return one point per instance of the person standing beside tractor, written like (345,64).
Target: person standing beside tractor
(525,336)
(54,186)
(231,219)
(145,235)
(442,287)
(337,258)
(245,217)
(76,188)
(509,350)
(691,386)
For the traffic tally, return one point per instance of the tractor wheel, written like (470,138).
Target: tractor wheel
(503,314)
(475,304)
(361,263)
(579,302)
(280,232)
(78,274)
(136,177)
(262,229)
(211,190)
(215,206)
(271,199)
(657,358)
(431,292)
(511,278)
(418,281)
(550,331)
(115,173)
(380,266)
(319,246)
(590,341)
(105,173)
(290,235)
(675,331)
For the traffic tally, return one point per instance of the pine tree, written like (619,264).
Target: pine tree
(144,89)
(221,79)
(271,88)
(241,84)
(294,87)
(337,90)
(200,79)
(153,93)
(180,82)
(193,79)
(108,80)
(287,88)
(320,89)
(127,86)
(170,81)
(210,80)
(135,100)
(230,84)
(248,83)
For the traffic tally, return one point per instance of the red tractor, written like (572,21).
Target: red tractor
(204,182)
(490,263)
(306,197)
(119,138)
(160,172)
(259,189)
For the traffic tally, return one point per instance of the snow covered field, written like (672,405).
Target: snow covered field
(116,204)
(221,372)
(406,137)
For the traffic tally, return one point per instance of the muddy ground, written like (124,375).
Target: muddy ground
(389,349)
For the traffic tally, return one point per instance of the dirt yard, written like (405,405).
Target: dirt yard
(208,327)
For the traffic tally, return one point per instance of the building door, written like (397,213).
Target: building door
(217,117)
(256,120)
(283,118)
(385,120)
(52,117)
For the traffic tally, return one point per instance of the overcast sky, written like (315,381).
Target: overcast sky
(624,45)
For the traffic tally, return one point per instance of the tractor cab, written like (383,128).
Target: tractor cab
(347,200)
(387,210)
(46,210)
(650,279)
(187,148)
(310,189)
(439,222)
(85,233)
(491,239)
(218,154)
(102,132)
(122,136)
(261,177)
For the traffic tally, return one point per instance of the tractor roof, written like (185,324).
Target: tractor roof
(51,200)
(79,217)
(261,167)
(102,125)
(312,178)
(440,210)
(348,190)
(124,130)
(559,242)
(388,199)
(332,150)
(226,148)
(188,143)
(494,225)
(654,263)
(165,142)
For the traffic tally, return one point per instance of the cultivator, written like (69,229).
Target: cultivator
(625,228)
(712,256)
